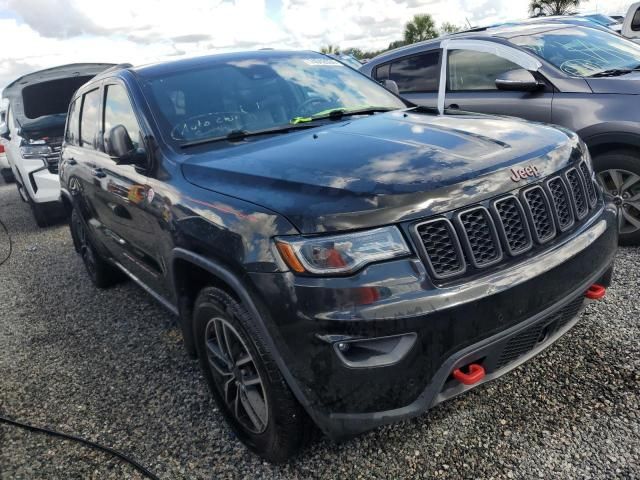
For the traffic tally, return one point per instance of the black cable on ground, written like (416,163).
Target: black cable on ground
(141,468)
(6,231)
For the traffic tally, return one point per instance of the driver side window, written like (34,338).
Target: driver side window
(471,70)
(118,111)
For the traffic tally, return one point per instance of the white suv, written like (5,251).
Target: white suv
(36,113)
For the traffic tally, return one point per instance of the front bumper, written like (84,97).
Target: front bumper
(42,185)
(453,326)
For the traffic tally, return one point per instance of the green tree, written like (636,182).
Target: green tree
(421,28)
(335,49)
(396,44)
(448,27)
(539,8)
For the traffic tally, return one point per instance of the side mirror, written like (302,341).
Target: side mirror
(392,86)
(118,145)
(519,80)
(4,131)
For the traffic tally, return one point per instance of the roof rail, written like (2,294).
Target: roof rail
(119,66)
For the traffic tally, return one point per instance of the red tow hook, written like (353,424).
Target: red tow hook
(596,292)
(476,373)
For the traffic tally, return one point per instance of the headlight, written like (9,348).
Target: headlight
(335,254)
(34,151)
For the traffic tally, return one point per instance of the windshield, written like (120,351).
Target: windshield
(601,19)
(582,52)
(260,92)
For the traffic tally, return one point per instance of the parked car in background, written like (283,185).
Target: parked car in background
(582,78)
(631,23)
(332,253)
(32,130)
(5,168)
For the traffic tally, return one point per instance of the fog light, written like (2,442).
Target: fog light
(374,352)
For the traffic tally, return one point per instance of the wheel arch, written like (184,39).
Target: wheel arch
(203,269)
(602,142)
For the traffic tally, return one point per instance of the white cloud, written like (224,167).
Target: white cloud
(38,34)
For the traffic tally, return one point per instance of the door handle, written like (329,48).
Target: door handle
(98,173)
(454,106)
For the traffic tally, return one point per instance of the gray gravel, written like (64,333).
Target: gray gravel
(109,366)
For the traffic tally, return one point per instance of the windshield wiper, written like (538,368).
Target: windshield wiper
(236,135)
(339,113)
(613,72)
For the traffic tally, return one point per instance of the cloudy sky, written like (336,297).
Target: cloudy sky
(36,34)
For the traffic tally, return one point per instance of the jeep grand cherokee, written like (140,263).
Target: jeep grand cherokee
(335,255)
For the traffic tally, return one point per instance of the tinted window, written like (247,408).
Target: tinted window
(471,70)
(582,52)
(419,73)
(263,91)
(89,118)
(635,22)
(118,111)
(73,126)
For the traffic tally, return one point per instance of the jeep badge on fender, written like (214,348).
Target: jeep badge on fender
(523,173)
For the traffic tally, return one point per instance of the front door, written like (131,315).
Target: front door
(471,86)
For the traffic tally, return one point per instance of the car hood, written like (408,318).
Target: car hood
(380,169)
(625,85)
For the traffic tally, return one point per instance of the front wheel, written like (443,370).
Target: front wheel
(244,379)
(619,175)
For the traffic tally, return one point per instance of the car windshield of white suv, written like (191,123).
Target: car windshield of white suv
(584,52)
(235,98)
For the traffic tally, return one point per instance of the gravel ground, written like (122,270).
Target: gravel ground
(110,366)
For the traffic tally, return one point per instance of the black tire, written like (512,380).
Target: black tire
(277,435)
(626,161)
(100,271)
(7,175)
(40,214)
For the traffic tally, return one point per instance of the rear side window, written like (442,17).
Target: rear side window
(471,70)
(418,73)
(73,124)
(118,111)
(89,118)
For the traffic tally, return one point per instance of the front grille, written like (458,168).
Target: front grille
(513,225)
(53,158)
(528,339)
(479,236)
(577,190)
(591,189)
(465,242)
(539,210)
(561,203)
(441,245)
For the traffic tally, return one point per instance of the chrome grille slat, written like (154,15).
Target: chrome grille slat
(472,239)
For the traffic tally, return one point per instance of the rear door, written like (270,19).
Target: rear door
(471,77)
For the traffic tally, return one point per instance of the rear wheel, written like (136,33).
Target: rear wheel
(40,214)
(101,272)
(244,380)
(619,175)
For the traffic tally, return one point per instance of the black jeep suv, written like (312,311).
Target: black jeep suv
(335,255)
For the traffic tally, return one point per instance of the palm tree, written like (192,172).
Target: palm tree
(539,8)
(422,27)
(330,49)
(448,27)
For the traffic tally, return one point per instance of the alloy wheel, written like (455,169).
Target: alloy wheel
(86,251)
(624,187)
(236,375)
